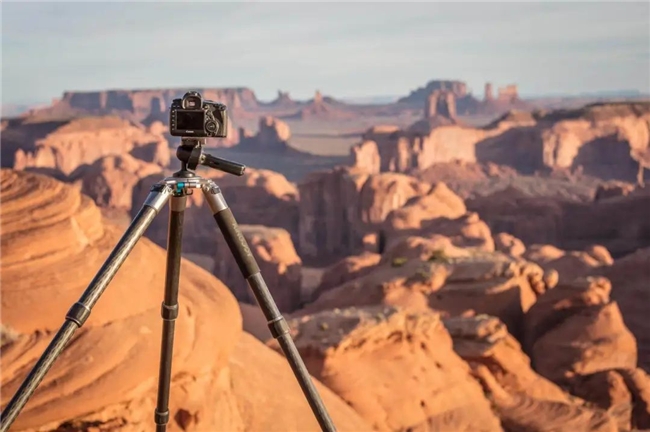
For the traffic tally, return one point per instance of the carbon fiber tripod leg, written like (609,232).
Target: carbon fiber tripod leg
(169,309)
(276,322)
(80,311)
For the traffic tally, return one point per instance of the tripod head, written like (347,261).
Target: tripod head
(190,153)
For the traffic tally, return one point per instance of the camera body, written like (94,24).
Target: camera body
(192,116)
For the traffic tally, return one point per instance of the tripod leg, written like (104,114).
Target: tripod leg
(276,322)
(80,311)
(169,310)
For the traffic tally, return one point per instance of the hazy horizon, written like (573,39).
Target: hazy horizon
(347,50)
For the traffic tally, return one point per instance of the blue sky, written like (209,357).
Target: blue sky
(343,49)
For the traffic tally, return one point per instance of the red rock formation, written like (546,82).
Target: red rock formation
(365,156)
(440,103)
(280,265)
(607,140)
(625,393)
(347,269)
(273,137)
(488,94)
(157,153)
(580,318)
(140,102)
(322,108)
(484,340)
(569,264)
(421,384)
(266,395)
(509,245)
(520,412)
(339,207)
(630,277)
(421,274)
(83,141)
(109,181)
(508,94)
(421,211)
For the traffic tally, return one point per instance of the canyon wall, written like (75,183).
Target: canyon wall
(607,140)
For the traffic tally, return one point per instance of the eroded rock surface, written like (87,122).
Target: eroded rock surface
(406,357)
(110,180)
(582,327)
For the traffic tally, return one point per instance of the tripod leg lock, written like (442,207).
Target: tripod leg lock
(78,313)
(278,327)
(169,312)
(158,196)
(161,418)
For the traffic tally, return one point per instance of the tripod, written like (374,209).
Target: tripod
(177,187)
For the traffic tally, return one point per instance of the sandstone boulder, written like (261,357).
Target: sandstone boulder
(521,412)
(265,395)
(569,264)
(416,214)
(110,180)
(423,273)
(385,192)
(346,270)
(273,250)
(625,393)
(490,284)
(575,330)
(630,278)
(484,340)
(509,245)
(407,357)
(405,283)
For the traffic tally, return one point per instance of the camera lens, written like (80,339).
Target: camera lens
(211,126)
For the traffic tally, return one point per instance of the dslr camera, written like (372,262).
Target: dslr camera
(192,116)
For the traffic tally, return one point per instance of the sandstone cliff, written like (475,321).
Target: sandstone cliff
(606,140)
(64,146)
(618,223)
(145,103)
(339,207)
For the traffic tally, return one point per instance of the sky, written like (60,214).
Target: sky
(344,50)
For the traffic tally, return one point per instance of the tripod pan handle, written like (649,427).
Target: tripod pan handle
(223,165)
